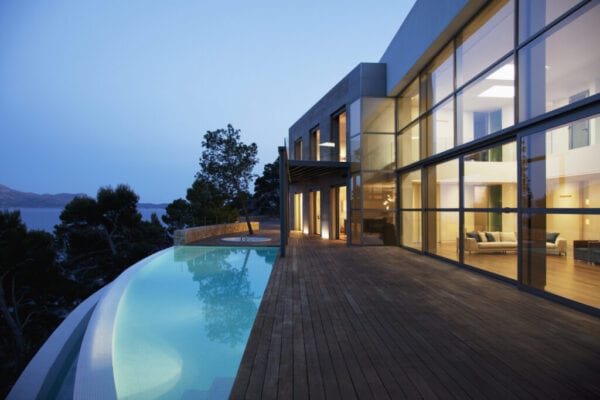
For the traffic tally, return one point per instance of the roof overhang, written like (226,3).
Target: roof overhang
(306,170)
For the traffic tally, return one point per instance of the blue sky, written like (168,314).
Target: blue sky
(96,93)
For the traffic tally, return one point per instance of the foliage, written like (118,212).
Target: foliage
(226,164)
(178,215)
(266,190)
(103,236)
(33,295)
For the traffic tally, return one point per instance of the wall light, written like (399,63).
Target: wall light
(327,144)
(504,73)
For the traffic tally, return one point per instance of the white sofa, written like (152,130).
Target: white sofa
(502,242)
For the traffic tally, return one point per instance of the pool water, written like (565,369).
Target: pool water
(183,322)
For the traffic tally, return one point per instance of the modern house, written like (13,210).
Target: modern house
(474,139)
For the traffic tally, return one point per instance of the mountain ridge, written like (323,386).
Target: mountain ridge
(14,198)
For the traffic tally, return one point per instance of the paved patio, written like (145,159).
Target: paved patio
(383,322)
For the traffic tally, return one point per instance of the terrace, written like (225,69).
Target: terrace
(383,322)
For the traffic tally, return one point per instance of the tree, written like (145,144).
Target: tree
(178,215)
(227,164)
(33,295)
(103,236)
(266,190)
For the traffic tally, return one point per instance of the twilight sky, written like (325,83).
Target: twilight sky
(102,92)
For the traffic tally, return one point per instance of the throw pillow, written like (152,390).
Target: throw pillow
(474,235)
(490,237)
(482,236)
(551,236)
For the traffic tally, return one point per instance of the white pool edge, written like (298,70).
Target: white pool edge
(44,367)
(94,378)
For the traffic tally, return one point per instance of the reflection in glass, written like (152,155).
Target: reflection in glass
(408,145)
(437,80)
(485,40)
(534,15)
(490,177)
(356,190)
(356,226)
(408,104)
(379,227)
(490,242)
(411,229)
(552,74)
(377,114)
(355,118)
(487,105)
(410,189)
(378,151)
(561,255)
(440,128)
(442,228)
(379,190)
(558,176)
(355,153)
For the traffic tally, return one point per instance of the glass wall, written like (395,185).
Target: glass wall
(561,66)
(489,37)
(408,143)
(487,105)
(437,80)
(408,104)
(439,128)
(378,151)
(534,15)
(410,210)
(560,247)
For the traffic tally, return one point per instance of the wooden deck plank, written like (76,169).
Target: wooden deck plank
(383,322)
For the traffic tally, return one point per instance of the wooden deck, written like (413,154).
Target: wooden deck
(342,322)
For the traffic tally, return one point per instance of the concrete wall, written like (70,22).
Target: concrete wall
(427,28)
(185,236)
(366,79)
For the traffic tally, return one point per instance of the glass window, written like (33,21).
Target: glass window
(355,153)
(411,229)
(356,192)
(378,151)
(378,115)
(379,191)
(298,149)
(490,242)
(534,15)
(487,105)
(355,118)
(408,143)
(410,190)
(356,226)
(314,145)
(557,176)
(561,255)
(561,66)
(437,81)
(485,40)
(490,178)
(440,128)
(379,227)
(338,143)
(408,104)
(442,234)
(442,185)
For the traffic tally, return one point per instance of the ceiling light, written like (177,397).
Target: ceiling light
(498,91)
(504,73)
(327,144)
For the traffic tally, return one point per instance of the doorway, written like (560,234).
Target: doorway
(338,212)
(315,212)
(297,211)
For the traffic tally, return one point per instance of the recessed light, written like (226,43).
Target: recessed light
(499,91)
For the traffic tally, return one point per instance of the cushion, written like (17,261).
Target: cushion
(473,235)
(490,237)
(508,237)
(551,236)
(482,236)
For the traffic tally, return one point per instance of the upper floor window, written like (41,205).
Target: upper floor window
(298,149)
(338,130)
(314,145)
(534,15)
(485,40)
(437,80)
(408,104)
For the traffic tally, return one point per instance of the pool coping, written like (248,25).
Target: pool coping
(94,377)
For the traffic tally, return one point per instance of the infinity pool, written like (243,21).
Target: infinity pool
(182,323)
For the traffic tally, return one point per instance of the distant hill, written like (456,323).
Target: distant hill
(13,198)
